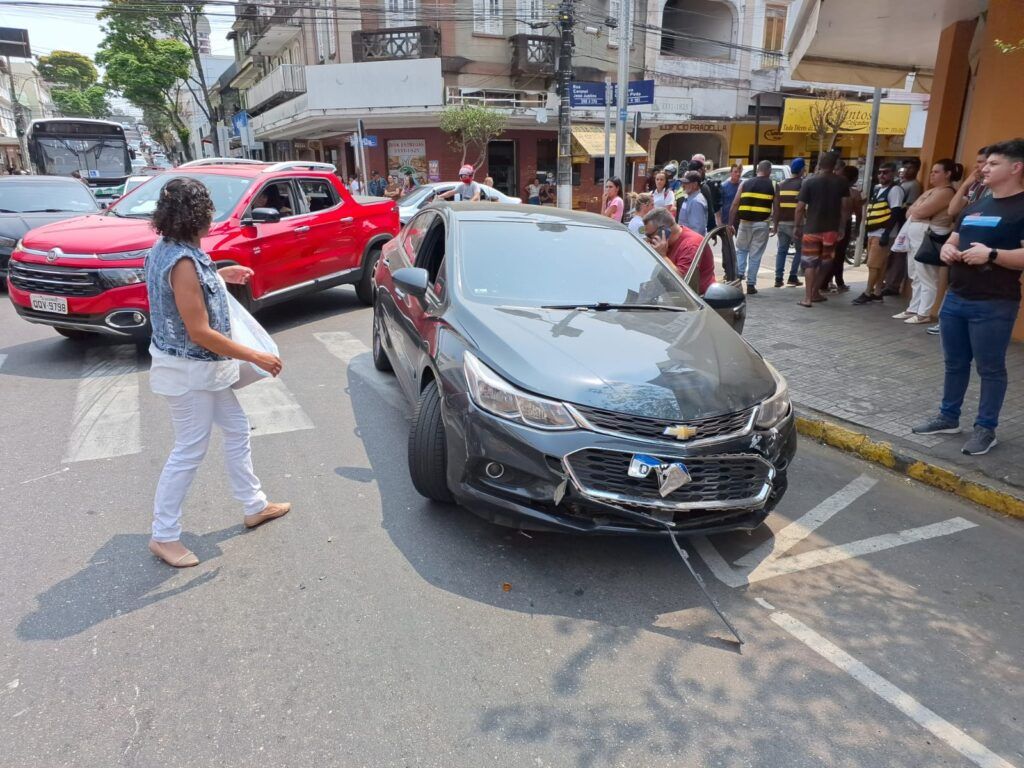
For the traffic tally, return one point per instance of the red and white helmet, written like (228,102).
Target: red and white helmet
(466,172)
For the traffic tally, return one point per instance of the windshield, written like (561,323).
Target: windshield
(533,264)
(416,197)
(38,197)
(226,191)
(94,158)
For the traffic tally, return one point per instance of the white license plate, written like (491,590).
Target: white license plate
(55,304)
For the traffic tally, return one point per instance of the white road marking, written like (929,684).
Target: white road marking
(106,420)
(3,359)
(43,477)
(974,751)
(272,408)
(722,571)
(800,529)
(359,360)
(764,603)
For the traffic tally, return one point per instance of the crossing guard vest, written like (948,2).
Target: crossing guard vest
(788,191)
(879,212)
(756,198)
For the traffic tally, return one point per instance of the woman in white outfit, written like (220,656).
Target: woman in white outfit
(195,362)
(662,196)
(930,212)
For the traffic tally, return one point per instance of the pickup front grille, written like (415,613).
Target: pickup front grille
(721,482)
(723,426)
(56,281)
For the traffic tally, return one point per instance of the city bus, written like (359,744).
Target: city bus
(97,149)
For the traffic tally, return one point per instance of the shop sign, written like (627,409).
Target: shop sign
(799,117)
(434,170)
(693,128)
(407,152)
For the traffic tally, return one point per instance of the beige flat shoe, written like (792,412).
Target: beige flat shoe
(272,511)
(186,560)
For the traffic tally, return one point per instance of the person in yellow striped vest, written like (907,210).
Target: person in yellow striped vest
(885,213)
(750,217)
(782,216)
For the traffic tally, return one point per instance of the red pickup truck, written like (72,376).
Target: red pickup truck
(293,223)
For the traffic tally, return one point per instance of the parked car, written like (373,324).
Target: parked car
(566,378)
(422,196)
(27,202)
(293,223)
(779,173)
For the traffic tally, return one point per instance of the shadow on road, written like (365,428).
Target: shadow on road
(121,577)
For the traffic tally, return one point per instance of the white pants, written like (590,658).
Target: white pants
(194,415)
(924,278)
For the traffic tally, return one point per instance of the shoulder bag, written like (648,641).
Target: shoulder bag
(930,248)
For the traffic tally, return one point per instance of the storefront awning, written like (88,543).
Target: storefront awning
(588,143)
(872,43)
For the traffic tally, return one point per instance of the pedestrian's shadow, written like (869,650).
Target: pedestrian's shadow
(121,577)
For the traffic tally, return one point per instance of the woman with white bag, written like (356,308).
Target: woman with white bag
(196,364)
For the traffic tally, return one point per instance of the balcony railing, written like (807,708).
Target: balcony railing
(768,60)
(495,98)
(533,55)
(282,13)
(394,44)
(284,83)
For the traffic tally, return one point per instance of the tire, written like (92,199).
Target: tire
(428,446)
(70,333)
(364,288)
(380,356)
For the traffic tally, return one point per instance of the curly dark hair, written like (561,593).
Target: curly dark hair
(183,210)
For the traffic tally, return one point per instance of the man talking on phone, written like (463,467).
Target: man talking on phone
(679,245)
(985,254)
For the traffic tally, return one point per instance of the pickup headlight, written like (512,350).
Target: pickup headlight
(777,407)
(497,396)
(7,242)
(118,278)
(124,255)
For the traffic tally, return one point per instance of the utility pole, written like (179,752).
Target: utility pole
(20,124)
(565,21)
(868,177)
(622,100)
(607,129)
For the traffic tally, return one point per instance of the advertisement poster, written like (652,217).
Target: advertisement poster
(434,172)
(407,153)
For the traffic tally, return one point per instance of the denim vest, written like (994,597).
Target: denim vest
(169,334)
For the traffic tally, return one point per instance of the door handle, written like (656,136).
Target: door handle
(301,229)
(348,220)
(386,261)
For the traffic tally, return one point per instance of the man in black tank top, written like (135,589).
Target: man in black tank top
(751,211)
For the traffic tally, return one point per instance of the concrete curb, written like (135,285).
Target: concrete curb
(883,453)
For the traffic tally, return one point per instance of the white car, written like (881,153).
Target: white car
(422,196)
(779,173)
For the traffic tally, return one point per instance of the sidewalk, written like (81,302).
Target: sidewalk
(860,368)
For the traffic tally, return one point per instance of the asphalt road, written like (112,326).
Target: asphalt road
(883,622)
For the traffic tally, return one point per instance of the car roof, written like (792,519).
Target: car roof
(40,178)
(527,214)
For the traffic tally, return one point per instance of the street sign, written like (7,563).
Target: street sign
(592,94)
(368,141)
(14,42)
(239,122)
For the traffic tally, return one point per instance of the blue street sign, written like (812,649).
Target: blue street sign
(592,94)
(239,122)
(623,114)
(368,141)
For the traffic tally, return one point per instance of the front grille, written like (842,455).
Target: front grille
(719,481)
(654,429)
(56,281)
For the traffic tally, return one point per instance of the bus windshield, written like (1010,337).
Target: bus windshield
(93,157)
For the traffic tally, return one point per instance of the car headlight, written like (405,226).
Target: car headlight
(497,396)
(777,407)
(124,255)
(8,242)
(118,278)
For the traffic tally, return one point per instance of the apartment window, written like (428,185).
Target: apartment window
(487,17)
(774,34)
(323,32)
(529,11)
(400,13)
(698,29)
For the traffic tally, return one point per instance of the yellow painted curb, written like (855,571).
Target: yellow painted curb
(883,453)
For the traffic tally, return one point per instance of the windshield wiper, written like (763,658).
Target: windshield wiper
(5,210)
(603,306)
(49,210)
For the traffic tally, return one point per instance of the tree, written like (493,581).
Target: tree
(73,102)
(470,129)
(143,20)
(829,118)
(73,79)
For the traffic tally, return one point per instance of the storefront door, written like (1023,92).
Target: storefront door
(502,166)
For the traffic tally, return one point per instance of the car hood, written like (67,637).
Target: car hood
(93,234)
(17,224)
(662,365)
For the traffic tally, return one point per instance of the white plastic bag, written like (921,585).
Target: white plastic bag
(247,331)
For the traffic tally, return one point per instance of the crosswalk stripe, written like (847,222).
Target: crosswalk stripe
(106,421)
(357,356)
(3,359)
(272,408)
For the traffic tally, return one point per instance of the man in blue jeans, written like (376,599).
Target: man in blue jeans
(749,217)
(783,215)
(985,254)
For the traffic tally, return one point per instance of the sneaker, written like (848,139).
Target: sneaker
(751,289)
(842,288)
(903,315)
(778,283)
(937,425)
(933,330)
(794,282)
(917,320)
(890,292)
(865,298)
(982,441)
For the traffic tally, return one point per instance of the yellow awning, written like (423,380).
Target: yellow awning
(588,143)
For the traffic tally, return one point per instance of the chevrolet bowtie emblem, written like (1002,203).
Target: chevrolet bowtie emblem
(680,432)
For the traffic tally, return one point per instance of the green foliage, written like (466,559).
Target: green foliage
(470,128)
(67,68)
(1010,47)
(76,102)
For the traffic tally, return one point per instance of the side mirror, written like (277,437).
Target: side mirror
(104,205)
(265,215)
(412,280)
(729,302)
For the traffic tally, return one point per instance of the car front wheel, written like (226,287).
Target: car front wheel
(364,288)
(380,357)
(428,457)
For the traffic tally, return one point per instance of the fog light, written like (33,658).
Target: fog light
(494,470)
(138,318)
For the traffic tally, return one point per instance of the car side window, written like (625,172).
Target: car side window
(279,194)
(319,194)
(415,231)
(430,254)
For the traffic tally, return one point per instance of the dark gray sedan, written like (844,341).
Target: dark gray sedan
(566,377)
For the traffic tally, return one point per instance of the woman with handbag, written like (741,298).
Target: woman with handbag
(195,364)
(927,227)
